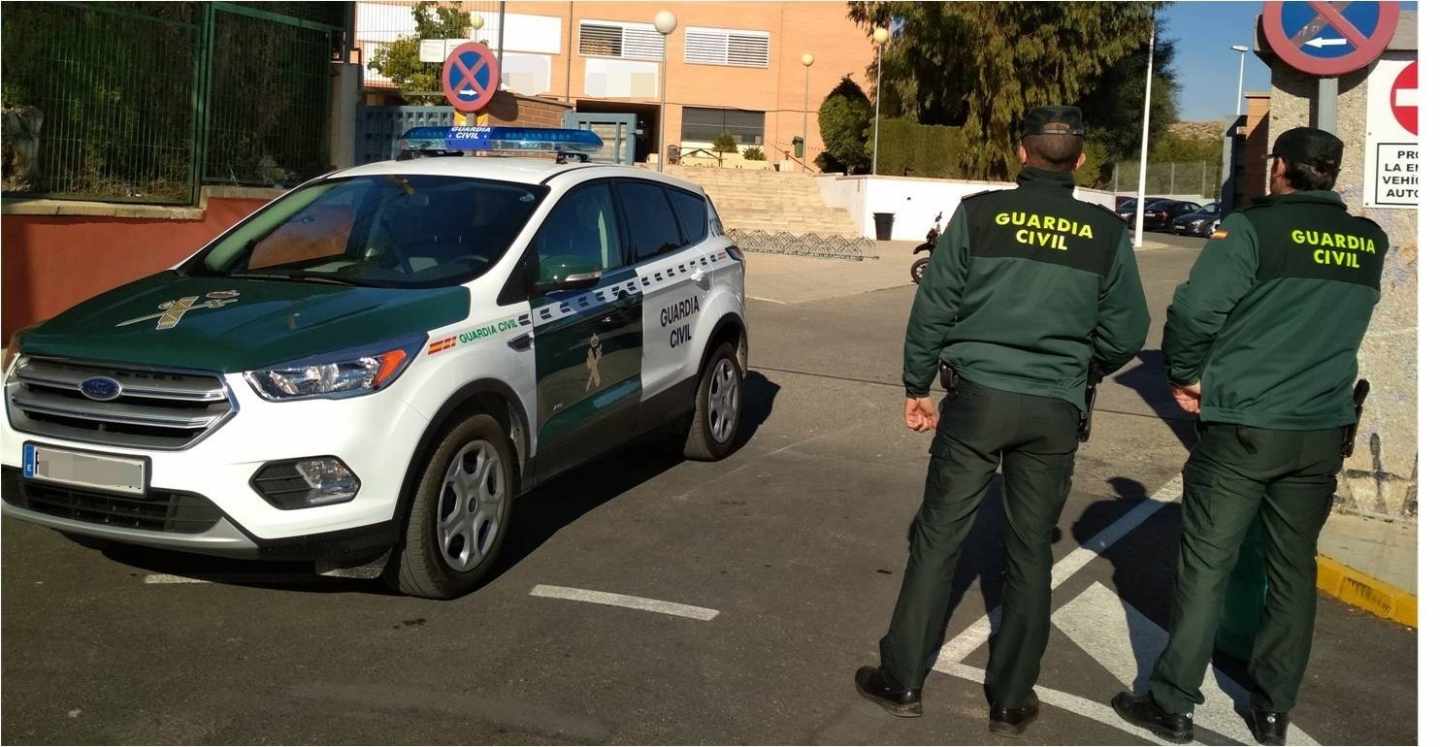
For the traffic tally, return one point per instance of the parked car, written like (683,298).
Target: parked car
(370,370)
(1125,207)
(1159,215)
(1194,223)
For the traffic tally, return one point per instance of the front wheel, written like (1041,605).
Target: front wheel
(459,514)
(715,424)
(917,270)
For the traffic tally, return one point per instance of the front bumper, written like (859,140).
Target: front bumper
(375,435)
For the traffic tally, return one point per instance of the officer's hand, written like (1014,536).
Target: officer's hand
(920,414)
(1188,397)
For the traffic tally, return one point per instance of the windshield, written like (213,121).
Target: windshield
(411,231)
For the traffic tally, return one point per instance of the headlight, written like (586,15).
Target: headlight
(344,374)
(12,350)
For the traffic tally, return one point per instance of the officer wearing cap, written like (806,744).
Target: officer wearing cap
(1028,289)
(1261,343)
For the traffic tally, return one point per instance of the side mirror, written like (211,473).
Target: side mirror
(571,282)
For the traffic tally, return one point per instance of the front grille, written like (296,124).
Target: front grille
(158,511)
(155,409)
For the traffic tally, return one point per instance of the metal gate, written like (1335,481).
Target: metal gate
(378,128)
(617,130)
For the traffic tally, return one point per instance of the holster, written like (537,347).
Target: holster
(1362,390)
(948,377)
(1092,387)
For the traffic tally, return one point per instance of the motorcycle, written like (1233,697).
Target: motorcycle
(917,270)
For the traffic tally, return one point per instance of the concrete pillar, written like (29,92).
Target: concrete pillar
(345,80)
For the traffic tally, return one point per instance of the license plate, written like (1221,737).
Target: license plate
(84,469)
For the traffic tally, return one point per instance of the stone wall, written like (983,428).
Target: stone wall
(1380,479)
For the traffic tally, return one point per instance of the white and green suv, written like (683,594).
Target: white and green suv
(373,367)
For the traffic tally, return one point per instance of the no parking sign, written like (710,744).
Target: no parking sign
(470,76)
(1392,127)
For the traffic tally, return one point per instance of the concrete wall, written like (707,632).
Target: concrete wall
(1380,478)
(57,254)
(914,200)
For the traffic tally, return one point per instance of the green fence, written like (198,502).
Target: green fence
(144,101)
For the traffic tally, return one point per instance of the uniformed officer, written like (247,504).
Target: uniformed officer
(1261,343)
(1028,288)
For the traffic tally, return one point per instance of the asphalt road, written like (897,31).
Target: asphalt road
(788,555)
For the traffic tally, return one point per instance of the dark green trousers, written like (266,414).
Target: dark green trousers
(1235,473)
(1033,440)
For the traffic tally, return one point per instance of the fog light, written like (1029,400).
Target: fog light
(302,483)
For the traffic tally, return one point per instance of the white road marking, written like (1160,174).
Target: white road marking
(1094,619)
(961,646)
(624,600)
(767,300)
(231,578)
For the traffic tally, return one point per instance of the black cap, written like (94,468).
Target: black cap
(1053,120)
(1309,145)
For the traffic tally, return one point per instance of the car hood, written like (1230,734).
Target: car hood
(228,324)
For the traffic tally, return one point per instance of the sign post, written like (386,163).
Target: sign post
(1328,40)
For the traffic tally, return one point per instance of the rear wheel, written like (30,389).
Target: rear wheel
(917,270)
(460,512)
(715,424)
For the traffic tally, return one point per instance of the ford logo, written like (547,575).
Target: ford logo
(100,388)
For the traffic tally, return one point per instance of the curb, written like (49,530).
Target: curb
(1366,592)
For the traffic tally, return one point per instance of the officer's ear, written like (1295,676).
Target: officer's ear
(1080,161)
(1022,155)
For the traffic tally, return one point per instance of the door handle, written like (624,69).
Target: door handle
(702,279)
(522,342)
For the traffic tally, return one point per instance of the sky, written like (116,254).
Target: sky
(1205,66)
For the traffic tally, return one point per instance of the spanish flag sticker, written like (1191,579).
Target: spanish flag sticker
(1220,234)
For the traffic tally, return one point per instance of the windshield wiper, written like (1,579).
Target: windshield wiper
(297,276)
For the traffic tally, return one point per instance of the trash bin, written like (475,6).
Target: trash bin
(672,154)
(798,144)
(883,223)
(1244,598)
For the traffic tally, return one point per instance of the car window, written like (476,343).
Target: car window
(649,219)
(690,209)
(581,235)
(394,231)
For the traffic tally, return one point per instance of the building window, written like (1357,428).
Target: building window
(630,41)
(704,125)
(727,47)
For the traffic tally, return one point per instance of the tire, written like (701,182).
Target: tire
(459,515)
(714,432)
(917,270)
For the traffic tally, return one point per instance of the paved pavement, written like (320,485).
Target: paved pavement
(645,600)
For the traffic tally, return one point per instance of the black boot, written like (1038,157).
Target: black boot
(1145,712)
(1012,720)
(876,685)
(1268,726)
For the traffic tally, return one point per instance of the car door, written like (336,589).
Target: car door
(667,250)
(588,341)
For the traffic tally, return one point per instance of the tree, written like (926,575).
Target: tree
(723,143)
(419,82)
(845,119)
(1011,57)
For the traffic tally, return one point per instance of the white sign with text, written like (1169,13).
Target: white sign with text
(1392,140)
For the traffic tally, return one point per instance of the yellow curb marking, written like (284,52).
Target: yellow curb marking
(1366,592)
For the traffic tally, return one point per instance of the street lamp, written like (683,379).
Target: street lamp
(1240,84)
(807,60)
(664,25)
(880,35)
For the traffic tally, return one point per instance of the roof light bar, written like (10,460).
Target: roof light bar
(533,139)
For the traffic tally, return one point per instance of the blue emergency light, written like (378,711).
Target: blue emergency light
(447,140)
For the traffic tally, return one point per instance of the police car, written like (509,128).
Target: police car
(368,371)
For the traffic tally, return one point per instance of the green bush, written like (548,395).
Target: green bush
(723,143)
(754,154)
(845,118)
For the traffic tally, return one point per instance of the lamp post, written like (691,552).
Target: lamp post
(880,35)
(807,60)
(1228,187)
(664,24)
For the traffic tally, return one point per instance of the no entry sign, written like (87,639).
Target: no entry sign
(1392,126)
(470,76)
(1329,39)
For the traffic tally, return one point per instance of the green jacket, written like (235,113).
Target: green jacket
(1273,314)
(1026,286)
